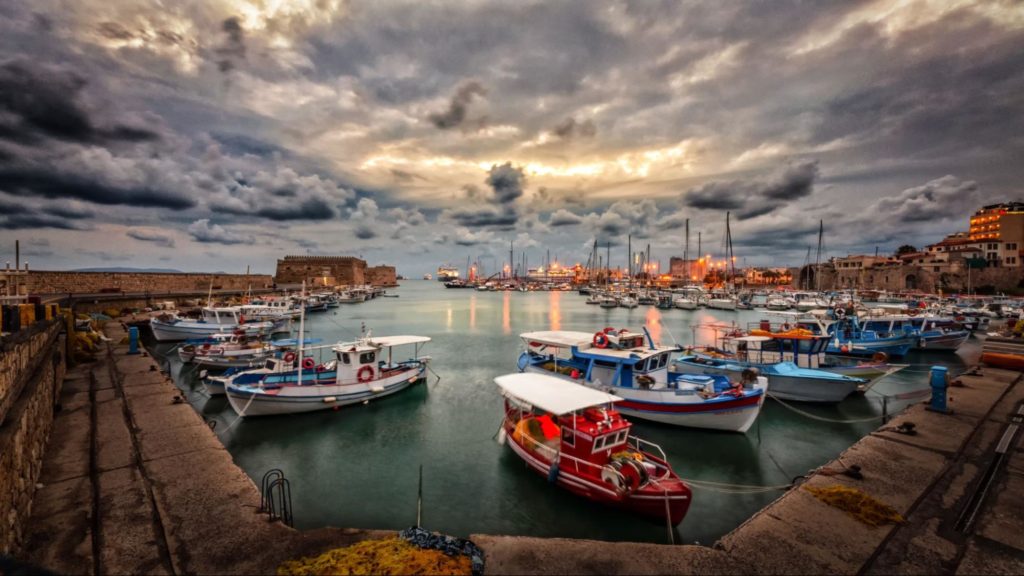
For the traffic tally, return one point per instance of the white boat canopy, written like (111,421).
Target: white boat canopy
(559,338)
(752,339)
(389,341)
(552,394)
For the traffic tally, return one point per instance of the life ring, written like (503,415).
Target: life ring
(840,312)
(308,363)
(320,367)
(365,373)
(879,357)
(600,340)
(289,357)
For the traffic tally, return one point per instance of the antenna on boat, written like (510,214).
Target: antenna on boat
(302,331)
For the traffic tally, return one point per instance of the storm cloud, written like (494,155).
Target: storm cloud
(458,107)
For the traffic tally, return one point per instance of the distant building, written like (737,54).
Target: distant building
(324,271)
(690,270)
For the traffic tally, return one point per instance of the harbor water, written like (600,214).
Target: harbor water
(358,466)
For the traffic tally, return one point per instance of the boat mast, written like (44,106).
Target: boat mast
(629,263)
(686,251)
(608,265)
(511,261)
(817,257)
(730,265)
(302,331)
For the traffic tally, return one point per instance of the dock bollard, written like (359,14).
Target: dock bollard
(133,340)
(939,383)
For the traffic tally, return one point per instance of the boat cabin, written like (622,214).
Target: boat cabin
(553,419)
(370,358)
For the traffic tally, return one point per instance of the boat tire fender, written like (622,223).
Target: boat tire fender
(289,357)
(308,363)
(610,474)
(365,373)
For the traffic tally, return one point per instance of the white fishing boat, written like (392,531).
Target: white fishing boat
(609,301)
(628,302)
(170,327)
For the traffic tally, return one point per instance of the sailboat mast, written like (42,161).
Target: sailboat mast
(608,264)
(511,260)
(629,264)
(686,251)
(302,330)
(817,257)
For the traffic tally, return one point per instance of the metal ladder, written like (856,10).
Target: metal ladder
(276,496)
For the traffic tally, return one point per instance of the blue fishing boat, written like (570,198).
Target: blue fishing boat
(634,368)
(849,336)
(776,359)
(934,333)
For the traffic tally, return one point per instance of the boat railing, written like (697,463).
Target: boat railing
(639,444)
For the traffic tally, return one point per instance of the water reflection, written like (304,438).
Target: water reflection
(555,309)
(506,313)
(472,312)
(449,323)
(653,323)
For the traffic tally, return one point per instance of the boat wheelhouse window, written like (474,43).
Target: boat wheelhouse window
(568,436)
(640,366)
(345,358)
(610,440)
(662,360)
(367,357)
(271,364)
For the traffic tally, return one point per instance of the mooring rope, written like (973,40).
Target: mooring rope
(822,418)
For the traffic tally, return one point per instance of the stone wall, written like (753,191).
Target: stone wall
(55,282)
(320,270)
(896,278)
(382,276)
(32,366)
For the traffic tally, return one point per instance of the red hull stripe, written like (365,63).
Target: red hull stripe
(748,401)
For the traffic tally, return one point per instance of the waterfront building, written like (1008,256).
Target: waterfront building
(329,271)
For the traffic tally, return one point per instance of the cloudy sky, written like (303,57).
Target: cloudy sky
(216,134)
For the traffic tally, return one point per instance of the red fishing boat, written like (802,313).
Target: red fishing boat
(573,435)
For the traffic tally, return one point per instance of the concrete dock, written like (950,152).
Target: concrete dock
(134,481)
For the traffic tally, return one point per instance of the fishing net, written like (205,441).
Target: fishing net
(390,556)
(857,504)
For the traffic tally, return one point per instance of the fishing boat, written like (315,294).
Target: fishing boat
(361,370)
(594,299)
(631,366)
(574,437)
(428,276)
(933,333)
(608,301)
(773,358)
(224,350)
(778,304)
(169,327)
(628,302)
(665,302)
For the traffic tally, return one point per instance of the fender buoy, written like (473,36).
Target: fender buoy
(308,363)
(600,340)
(289,357)
(365,373)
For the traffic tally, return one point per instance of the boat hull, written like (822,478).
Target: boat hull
(250,401)
(178,331)
(784,387)
(728,414)
(948,342)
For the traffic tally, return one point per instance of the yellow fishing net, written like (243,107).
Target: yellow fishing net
(389,556)
(861,506)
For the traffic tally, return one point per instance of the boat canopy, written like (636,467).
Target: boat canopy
(552,394)
(389,341)
(288,342)
(559,338)
(752,339)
